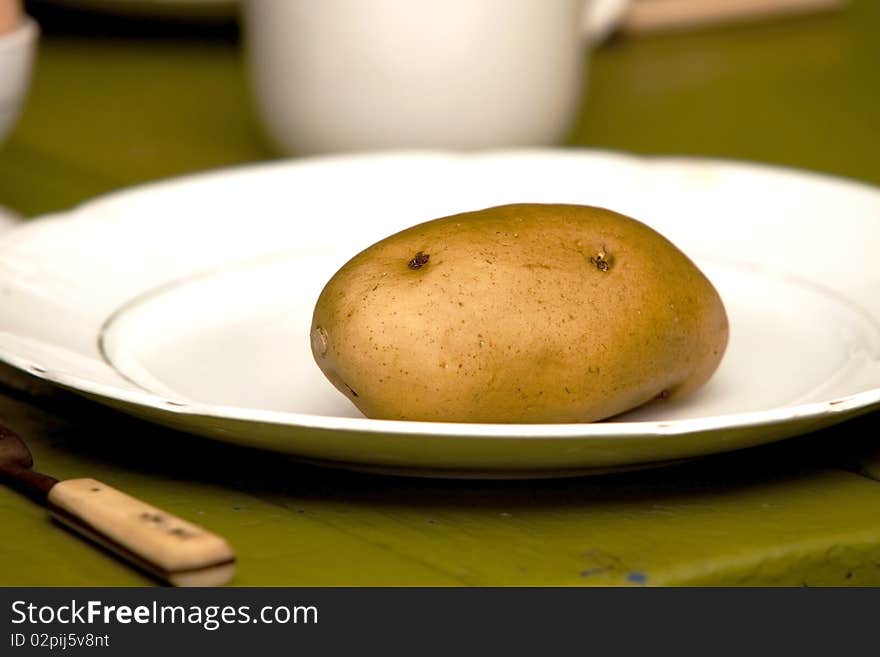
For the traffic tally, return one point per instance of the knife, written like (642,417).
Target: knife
(162,545)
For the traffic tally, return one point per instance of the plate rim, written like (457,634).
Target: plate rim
(643,159)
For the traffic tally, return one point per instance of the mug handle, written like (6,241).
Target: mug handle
(600,17)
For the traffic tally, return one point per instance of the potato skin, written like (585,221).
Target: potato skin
(527,313)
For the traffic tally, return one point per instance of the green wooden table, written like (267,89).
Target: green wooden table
(116,102)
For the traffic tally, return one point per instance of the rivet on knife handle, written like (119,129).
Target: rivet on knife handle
(168,547)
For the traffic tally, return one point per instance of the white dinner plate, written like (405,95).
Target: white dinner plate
(189,302)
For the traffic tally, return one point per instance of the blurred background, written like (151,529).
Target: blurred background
(128,91)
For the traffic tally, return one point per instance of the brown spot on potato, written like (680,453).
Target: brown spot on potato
(419,260)
(601,260)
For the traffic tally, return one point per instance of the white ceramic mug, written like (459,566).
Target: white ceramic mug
(344,75)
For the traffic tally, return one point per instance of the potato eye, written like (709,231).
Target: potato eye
(419,260)
(600,262)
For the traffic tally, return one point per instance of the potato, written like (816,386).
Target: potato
(518,313)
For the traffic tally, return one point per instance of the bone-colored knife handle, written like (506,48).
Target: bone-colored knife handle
(166,546)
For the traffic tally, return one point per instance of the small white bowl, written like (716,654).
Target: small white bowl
(17,50)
